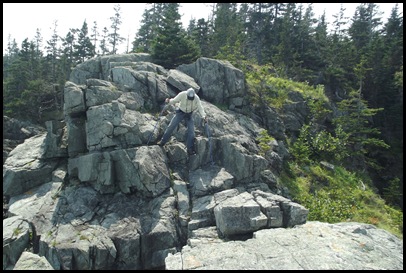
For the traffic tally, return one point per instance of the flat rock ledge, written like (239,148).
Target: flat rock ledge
(311,246)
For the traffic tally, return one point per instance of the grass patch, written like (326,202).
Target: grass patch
(338,195)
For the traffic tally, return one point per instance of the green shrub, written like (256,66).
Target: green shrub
(339,195)
(264,142)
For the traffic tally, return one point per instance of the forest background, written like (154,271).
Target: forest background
(352,72)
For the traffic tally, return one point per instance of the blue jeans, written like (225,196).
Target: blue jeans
(179,116)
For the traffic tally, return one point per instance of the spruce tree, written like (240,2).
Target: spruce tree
(103,42)
(200,33)
(84,49)
(172,47)
(94,36)
(114,36)
(227,29)
(53,54)
(38,55)
(259,23)
(147,31)
(288,40)
(355,118)
(68,56)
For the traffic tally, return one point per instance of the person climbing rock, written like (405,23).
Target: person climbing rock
(188,101)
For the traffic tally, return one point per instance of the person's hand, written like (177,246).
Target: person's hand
(166,100)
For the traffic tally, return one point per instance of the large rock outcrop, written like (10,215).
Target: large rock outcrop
(95,192)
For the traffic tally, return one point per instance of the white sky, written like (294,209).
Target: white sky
(21,20)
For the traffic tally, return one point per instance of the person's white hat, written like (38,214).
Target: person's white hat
(190,94)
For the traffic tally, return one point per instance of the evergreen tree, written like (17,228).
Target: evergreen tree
(272,35)
(38,58)
(389,95)
(288,40)
(52,54)
(364,24)
(84,49)
(309,61)
(147,31)
(172,47)
(226,27)
(103,43)
(68,52)
(114,37)
(18,76)
(12,51)
(94,36)
(340,58)
(23,73)
(321,42)
(367,41)
(26,53)
(340,20)
(200,33)
(386,60)
(258,26)
(356,121)
(235,41)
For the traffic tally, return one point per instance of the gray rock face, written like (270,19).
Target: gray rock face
(221,82)
(246,213)
(15,239)
(19,130)
(15,132)
(31,261)
(239,215)
(26,166)
(311,246)
(95,192)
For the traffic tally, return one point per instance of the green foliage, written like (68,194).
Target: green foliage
(319,108)
(399,77)
(332,206)
(375,211)
(227,29)
(313,144)
(393,191)
(274,91)
(264,140)
(277,91)
(84,49)
(171,47)
(292,172)
(200,33)
(17,231)
(257,77)
(325,142)
(114,37)
(37,96)
(339,195)
(301,148)
(355,122)
(231,53)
